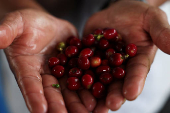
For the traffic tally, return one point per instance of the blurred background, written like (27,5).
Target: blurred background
(154,98)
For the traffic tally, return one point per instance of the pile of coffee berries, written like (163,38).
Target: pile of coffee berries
(93,62)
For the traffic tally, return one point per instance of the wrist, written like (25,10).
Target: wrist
(25,4)
(7,6)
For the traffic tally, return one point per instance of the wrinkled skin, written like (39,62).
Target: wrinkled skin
(30,37)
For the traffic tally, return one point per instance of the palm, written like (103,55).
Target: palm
(132,26)
(39,37)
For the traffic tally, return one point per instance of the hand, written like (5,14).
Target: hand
(30,38)
(143,25)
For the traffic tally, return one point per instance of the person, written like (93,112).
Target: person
(29,34)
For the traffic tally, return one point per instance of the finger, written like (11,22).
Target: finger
(88,99)
(101,107)
(30,83)
(53,95)
(115,97)
(137,69)
(156,23)
(10,28)
(72,101)
(32,90)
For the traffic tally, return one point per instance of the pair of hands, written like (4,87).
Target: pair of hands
(30,36)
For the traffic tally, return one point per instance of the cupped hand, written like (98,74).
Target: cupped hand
(30,37)
(137,23)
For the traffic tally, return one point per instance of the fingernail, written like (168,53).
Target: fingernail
(124,101)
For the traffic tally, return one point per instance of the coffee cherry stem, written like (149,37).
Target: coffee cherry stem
(126,56)
(56,85)
(98,37)
(61,46)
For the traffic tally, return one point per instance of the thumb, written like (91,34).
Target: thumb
(156,24)
(10,28)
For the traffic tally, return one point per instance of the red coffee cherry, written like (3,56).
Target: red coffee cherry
(87,81)
(102,69)
(73,83)
(98,90)
(103,44)
(109,34)
(116,59)
(118,72)
(98,32)
(75,72)
(63,59)
(88,40)
(87,52)
(95,61)
(131,50)
(119,47)
(118,38)
(109,52)
(58,71)
(83,63)
(106,78)
(53,61)
(76,42)
(71,51)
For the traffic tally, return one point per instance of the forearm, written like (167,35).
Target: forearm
(12,5)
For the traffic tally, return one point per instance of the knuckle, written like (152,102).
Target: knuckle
(13,16)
